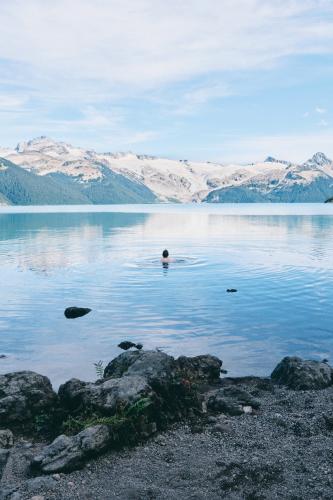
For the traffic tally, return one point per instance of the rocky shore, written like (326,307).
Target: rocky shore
(155,427)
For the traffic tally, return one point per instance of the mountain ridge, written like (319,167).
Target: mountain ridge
(130,178)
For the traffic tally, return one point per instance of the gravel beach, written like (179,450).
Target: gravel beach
(282,450)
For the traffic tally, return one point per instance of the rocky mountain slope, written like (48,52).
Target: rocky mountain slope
(126,177)
(46,175)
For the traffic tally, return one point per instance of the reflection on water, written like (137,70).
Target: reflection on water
(179,261)
(281,265)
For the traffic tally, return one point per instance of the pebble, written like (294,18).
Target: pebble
(247,409)
(221,428)
(212,420)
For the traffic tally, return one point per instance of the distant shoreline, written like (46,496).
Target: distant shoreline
(204,208)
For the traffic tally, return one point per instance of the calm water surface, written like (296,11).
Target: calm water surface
(278,257)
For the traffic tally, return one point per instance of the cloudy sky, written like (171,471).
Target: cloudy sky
(225,80)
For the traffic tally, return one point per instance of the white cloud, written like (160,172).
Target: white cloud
(147,43)
(11,103)
(291,147)
(194,99)
(320,110)
(92,54)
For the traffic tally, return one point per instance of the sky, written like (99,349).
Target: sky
(218,80)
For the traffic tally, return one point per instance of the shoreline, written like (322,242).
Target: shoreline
(199,435)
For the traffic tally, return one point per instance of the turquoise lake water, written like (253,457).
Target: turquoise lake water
(278,257)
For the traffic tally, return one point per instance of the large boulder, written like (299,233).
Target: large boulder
(23,396)
(67,453)
(154,366)
(300,374)
(104,396)
(159,367)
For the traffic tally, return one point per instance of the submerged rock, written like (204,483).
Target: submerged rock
(76,312)
(66,453)
(24,395)
(300,374)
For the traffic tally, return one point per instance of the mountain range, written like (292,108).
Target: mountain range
(43,171)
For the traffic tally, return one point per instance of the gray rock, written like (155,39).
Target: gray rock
(23,395)
(160,368)
(221,428)
(300,374)
(152,365)
(40,484)
(203,368)
(232,401)
(6,493)
(104,396)
(6,438)
(65,453)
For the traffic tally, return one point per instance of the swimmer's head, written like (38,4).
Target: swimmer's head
(165,254)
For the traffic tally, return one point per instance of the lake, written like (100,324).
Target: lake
(278,257)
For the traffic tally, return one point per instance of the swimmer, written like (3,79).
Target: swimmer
(165,257)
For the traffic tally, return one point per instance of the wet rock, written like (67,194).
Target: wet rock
(126,344)
(232,401)
(69,453)
(105,396)
(300,374)
(23,395)
(3,356)
(6,438)
(76,312)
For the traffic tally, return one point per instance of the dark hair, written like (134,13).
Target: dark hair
(165,254)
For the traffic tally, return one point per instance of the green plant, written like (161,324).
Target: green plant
(99,368)
(137,408)
(125,416)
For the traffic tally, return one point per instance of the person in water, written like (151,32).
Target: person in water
(165,257)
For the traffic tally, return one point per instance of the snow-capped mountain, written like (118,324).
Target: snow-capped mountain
(97,175)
